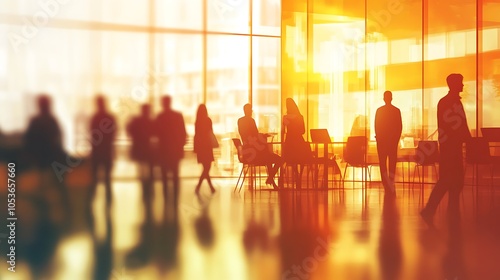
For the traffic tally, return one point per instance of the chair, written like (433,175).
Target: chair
(248,167)
(477,152)
(427,154)
(355,155)
(321,136)
(406,152)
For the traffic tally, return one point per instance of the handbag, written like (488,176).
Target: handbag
(213,140)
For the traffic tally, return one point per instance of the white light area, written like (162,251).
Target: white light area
(490,39)
(73,258)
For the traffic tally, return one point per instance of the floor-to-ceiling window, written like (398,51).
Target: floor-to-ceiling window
(338,58)
(224,53)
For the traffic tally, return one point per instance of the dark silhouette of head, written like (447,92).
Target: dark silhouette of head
(101,103)
(44,104)
(247,109)
(455,82)
(291,107)
(202,112)
(166,102)
(146,110)
(387,97)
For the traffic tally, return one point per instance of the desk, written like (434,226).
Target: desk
(326,159)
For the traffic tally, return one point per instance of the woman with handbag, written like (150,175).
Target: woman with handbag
(204,144)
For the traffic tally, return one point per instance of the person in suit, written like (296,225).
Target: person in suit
(43,148)
(255,145)
(453,131)
(388,128)
(203,145)
(140,130)
(295,149)
(103,131)
(43,139)
(171,132)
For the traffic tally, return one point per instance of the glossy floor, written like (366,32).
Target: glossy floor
(336,234)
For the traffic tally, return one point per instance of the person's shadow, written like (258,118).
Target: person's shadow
(390,252)
(453,261)
(103,252)
(203,225)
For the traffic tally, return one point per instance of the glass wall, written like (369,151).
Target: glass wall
(338,57)
(224,53)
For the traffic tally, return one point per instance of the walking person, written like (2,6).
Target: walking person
(203,146)
(388,128)
(453,132)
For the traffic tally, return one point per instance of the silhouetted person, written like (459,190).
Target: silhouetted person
(203,132)
(140,130)
(255,145)
(103,131)
(43,139)
(43,145)
(295,149)
(388,127)
(171,132)
(453,132)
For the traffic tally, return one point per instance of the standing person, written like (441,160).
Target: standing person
(171,132)
(388,128)
(103,131)
(255,145)
(295,149)
(203,145)
(43,145)
(140,130)
(453,132)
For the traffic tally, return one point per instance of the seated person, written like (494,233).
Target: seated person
(255,147)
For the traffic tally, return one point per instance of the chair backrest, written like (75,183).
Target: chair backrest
(477,151)
(320,135)
(492,134)
(427,152)
(355,150)
(239,148)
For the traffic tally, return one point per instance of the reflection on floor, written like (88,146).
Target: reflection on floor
(335,234)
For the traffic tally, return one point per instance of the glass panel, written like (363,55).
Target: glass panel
(395,30)
(266,17)
(266,84)
(179,74)
(489,67)
(85,63)
(227,80)
(179,14)
(231,16)
(442,59)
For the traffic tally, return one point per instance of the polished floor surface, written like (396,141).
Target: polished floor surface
(351,233)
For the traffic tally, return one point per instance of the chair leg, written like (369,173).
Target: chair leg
(238,182)
(244,177)
(343,180)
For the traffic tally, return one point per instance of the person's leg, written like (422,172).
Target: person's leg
(206,168)
(454,193)
(203,176)
(163,168)
(382,159)
(393,159)
(107,181)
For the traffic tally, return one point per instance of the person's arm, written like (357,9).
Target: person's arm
(399,124)
(377,125)
(466,136)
